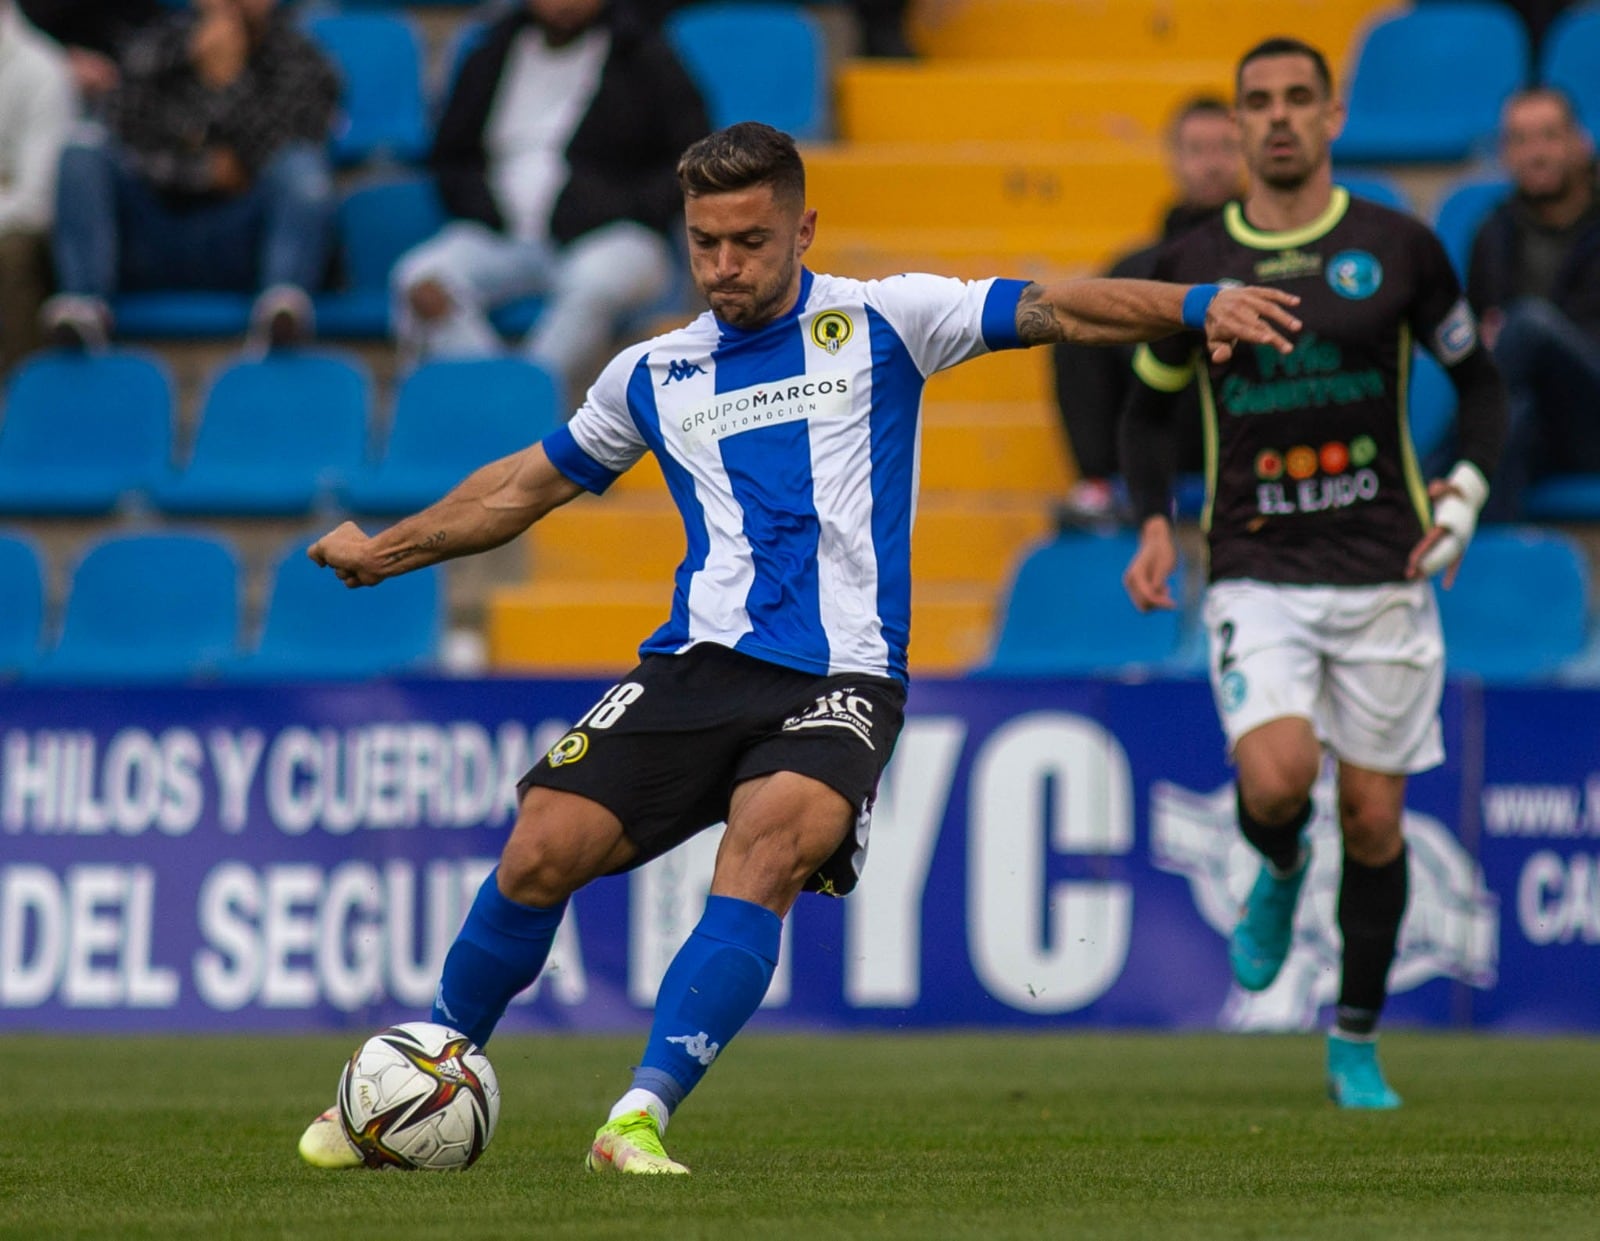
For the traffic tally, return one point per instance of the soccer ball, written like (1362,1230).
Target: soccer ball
(419,1096)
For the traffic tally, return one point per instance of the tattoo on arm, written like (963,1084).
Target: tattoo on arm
(1036,321)
(402,554)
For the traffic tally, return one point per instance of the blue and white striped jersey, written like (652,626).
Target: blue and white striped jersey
(792,454)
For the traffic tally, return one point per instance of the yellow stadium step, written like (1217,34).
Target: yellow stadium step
(617,538)
(1044,187)
(952,628)
(1158,30)
(976,253)
(1009,451)
(1021,375)
(595,631)
(968,101)
(591,628)
(972,541)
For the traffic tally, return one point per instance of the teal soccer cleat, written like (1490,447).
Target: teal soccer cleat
(1354,1078)
(1260,942)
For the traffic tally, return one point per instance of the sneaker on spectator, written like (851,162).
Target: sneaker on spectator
(1092,503)
(280,319)
(76,322)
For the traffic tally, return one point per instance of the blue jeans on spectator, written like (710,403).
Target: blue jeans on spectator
(114,231)
(1551,369)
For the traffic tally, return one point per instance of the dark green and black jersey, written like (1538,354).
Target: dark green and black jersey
(1311,474)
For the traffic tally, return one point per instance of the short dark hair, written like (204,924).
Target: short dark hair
(1284,45)
(1197,105)
(1562,98)
(741,156)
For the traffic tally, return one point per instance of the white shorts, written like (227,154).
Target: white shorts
(1365,664)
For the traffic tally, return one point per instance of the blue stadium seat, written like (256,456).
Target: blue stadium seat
(450,417)
(1518,610)
(756,62)
(276,436)
(1429,82)
(377,223)
(148,608)
(382,112)
(1374,187)
(1462,211)
(1067,614)
(1563,497)
(318,629)
(1571,60)
(178,314)
(82,431)
(22,613)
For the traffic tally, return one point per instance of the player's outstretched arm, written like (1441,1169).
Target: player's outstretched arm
(1107,311)
(489,507)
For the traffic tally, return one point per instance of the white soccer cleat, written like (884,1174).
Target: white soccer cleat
(323,1144)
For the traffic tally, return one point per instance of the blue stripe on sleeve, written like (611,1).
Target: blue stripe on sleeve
(1000,314)
(576,464)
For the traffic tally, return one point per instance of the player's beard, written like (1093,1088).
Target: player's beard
(765,301)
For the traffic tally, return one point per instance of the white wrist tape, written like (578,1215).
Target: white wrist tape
(1457,513)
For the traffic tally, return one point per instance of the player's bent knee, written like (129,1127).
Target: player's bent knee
(1371,836)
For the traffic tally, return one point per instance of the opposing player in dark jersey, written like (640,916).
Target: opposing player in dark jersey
(1323,626)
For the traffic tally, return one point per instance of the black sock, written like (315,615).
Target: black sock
(1280,845)
(1372,900)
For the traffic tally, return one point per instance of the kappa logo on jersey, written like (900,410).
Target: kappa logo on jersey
(1355,274)
(843,708)
(698,1046)
(569,749)
(682,368)
(1452,921)
(832,330)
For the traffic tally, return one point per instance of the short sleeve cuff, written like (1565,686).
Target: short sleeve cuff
(562,449)
(1000,314)
(1162,376)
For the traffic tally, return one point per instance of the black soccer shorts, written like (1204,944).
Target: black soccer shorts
(665,747)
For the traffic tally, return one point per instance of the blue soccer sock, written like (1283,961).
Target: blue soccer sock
(499,951)
(712,987)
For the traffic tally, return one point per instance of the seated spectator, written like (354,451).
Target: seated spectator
(1534,280)
(94,33)
(555,156)
(1092,383)
(37,108)
(212,174)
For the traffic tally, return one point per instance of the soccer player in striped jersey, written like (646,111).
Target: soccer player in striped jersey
(1324,628)
(786,422)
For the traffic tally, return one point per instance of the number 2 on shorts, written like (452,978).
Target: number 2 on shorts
(1225,657)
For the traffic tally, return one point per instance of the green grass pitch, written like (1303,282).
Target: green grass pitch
(829,1137)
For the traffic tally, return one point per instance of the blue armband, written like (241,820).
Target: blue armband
(1196,302)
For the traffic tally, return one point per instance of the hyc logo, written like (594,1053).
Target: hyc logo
(832,330)
(569,749)
(681,368)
